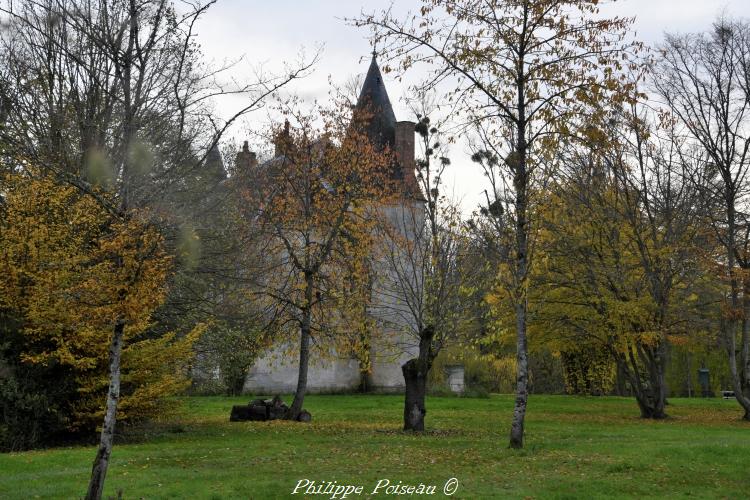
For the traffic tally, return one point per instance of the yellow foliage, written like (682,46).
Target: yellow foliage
(69,269)
(156,368)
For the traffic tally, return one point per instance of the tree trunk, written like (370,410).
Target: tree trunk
(651,408)
(365,366)
(736,382)
(730,333)
(745,386)
(365,382)
(304,357)
(745,360)
(620,379)
(522,374)
(652,398)
(101,462)
(649,392)
(521,185)
(660,361)
(651,401)
(520,182)
(415,378)
(304,351)
(731,325)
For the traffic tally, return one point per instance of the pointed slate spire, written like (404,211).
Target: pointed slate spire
(214,164)
(374,101)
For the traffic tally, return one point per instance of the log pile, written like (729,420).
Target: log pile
(260,410)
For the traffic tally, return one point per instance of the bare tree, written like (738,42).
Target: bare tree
(419,272)
(703,79)
(657,204)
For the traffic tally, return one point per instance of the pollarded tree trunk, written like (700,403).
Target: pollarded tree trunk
(415,373)
(415,379)
(101,462)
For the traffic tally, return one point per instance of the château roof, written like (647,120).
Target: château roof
(373,100)
(214,165)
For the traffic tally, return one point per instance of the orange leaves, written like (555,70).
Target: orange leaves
(314,205)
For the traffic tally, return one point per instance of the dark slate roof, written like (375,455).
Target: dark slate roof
(214,164)
(213,156)
(374,99)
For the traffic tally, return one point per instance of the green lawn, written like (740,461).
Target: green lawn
(575,448)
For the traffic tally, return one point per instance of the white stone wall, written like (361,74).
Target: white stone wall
(276,373)
(398,340)
(277,370)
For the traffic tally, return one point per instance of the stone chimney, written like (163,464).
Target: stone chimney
(404,149)
(246,160)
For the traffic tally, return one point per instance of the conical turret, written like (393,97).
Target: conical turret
(214,165)
(374,103)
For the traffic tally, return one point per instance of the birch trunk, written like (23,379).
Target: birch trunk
(521,185)
(101,461)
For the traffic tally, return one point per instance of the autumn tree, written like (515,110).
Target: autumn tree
(524,72)
(315,195)
(117,92)
(619,250)
(69,268)
(703,79)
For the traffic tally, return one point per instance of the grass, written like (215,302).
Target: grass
(575,448)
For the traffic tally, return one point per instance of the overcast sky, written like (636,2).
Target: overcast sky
(271,31)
